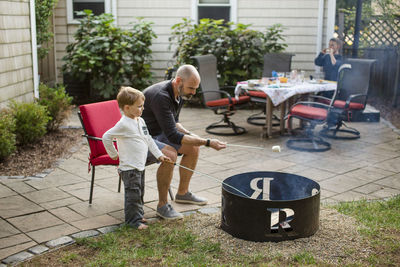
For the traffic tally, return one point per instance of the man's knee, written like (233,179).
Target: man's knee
(190,150)
(170,152)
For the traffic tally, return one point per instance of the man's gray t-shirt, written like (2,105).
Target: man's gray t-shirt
(161,111)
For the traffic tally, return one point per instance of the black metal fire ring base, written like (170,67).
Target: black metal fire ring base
(270,206)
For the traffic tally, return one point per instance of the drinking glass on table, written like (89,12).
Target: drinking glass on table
(302,76)
(293,76)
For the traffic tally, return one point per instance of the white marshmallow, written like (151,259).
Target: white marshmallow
(276,149)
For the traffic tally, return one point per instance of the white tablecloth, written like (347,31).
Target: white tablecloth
(280,94)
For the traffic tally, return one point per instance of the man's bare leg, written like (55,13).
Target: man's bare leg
(164,175)
(189,160)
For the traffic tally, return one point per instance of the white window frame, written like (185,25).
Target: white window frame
(70,10)
(232,14)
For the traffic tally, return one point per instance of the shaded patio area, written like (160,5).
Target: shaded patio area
(36,212)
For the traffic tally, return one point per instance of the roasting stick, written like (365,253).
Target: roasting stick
(255,147)
(209,176)
(274,148)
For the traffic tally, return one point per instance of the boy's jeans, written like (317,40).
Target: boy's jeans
(134,191)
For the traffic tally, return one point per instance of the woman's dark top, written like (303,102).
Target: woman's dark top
(161,111)
(331,71)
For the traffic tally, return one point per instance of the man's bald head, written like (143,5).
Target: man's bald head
(186,72)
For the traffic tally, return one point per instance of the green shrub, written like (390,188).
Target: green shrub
(31,121)
(239,50)
(7,135)
(57,102)
(108,56)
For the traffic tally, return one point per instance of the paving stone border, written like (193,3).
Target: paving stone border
(64,241)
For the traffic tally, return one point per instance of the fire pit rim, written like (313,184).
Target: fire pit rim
(226,188)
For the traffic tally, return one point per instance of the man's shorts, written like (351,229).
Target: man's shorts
(161,141)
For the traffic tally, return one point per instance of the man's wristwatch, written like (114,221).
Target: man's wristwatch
(208,142)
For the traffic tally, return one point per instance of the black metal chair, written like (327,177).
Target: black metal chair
(312,114)
(225,106)
(351,98)
(279,62)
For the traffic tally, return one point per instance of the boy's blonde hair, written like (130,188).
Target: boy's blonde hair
(128,96)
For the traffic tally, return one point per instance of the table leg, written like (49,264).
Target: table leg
(268,119)
(290,124)
(282,118)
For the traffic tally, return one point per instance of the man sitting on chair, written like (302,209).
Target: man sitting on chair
(164,101)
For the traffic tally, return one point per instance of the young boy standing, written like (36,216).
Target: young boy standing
(133,141)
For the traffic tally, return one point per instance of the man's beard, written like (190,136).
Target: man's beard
(184,97)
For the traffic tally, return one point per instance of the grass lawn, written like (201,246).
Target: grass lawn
(174,244)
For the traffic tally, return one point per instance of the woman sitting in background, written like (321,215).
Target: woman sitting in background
(330,59)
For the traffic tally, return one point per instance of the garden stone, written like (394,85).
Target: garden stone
(16,177)
(188,213)
(18,257)
(40,175)
(84,234)
(38,249)
(60,241)
(108,229)
(208,210)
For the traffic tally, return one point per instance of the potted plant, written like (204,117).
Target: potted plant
(106,56)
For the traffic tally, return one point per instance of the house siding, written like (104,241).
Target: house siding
(299,18)
(16,69)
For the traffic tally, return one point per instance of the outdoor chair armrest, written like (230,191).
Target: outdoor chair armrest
(351,97)
(92,137)
(320,97)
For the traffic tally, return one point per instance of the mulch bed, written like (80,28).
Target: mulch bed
(35,158)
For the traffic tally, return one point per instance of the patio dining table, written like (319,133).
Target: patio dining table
(279,94)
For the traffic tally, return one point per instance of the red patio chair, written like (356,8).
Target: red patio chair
(96,119)
(312,114)
(279,62)
(225,106)
(351,98)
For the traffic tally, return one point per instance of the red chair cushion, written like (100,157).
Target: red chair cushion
(353,105)
(103,160)
(225,101)
(309,112)
(97,119)
(260,94)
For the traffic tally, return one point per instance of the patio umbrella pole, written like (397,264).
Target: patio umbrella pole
(209,176)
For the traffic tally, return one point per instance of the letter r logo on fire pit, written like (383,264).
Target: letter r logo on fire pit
(264,190)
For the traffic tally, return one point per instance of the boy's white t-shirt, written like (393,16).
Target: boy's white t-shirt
(133,141)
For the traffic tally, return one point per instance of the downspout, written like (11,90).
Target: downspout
(114,10)
(34,49)
(193,11)
(330,24)
(320,23)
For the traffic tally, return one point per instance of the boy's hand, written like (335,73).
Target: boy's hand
(165,159)
(115,158)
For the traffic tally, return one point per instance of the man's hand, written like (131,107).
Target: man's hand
(217,145)
(115,158)
(165,159)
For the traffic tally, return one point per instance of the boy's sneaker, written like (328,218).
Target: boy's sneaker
(167,212)
(190,198)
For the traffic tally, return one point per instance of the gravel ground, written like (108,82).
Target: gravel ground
(336,242)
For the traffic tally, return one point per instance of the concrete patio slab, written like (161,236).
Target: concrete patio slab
(6,229)
(17,205)
(36,210)
(35,221)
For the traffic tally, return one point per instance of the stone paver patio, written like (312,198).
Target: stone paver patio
(37,213)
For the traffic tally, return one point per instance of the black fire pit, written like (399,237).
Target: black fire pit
(270,206)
